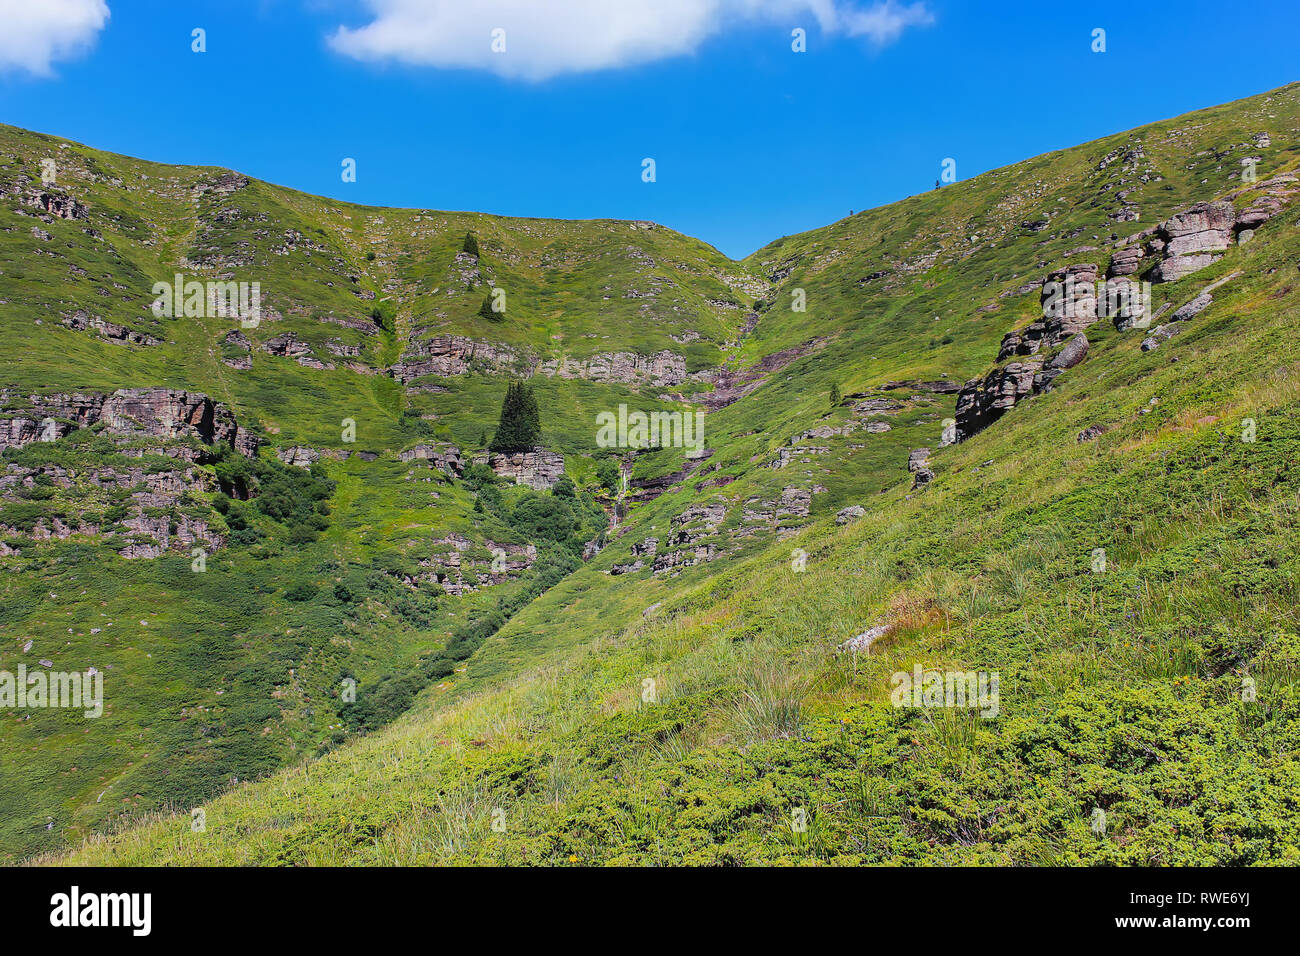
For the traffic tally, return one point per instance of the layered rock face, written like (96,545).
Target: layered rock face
(51,415)
(1184,243)
(1196,237)
(451,355)
(661,369)
(1069,300)
(539,469)
(167,413)
(289,345)
(130,412)
(983,401)
(1189,240)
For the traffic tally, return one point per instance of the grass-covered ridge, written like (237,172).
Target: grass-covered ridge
(1121,689)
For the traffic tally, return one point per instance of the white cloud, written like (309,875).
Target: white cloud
(35,33)
(885,22)
(545,38)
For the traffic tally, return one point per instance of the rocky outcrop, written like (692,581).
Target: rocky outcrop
(300,456)
(1069,301)
(444,456)
(461,566)
(862,642)
(539,469)
(238,350)
(1191,240)
(1159,334)
(1193,308)
(171,413)
(450,355)
(155,536)
(918,464)
(80,321)
(729,385)
(1196,237)
(765,514)
(289,345)
(662,369)
(851,513)
(58,206)
(223,184)
(153,523)
(1075,351)
(130,412)
(1126,262)
(689,540)
(983,401)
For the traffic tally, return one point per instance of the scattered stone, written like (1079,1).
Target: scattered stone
(863,641)
(1193,308)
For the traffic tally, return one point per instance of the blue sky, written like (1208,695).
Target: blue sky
(751,140)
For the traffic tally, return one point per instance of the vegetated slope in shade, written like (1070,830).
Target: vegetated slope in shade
(698,709)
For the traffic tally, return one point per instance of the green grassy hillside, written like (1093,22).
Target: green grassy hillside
(1117,547)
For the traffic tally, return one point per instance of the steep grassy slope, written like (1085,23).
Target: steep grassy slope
(693,707)
(221,676)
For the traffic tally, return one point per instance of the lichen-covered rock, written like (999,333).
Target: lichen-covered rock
(1160,333)
(863,641)
(1126,261)
(1190,240)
